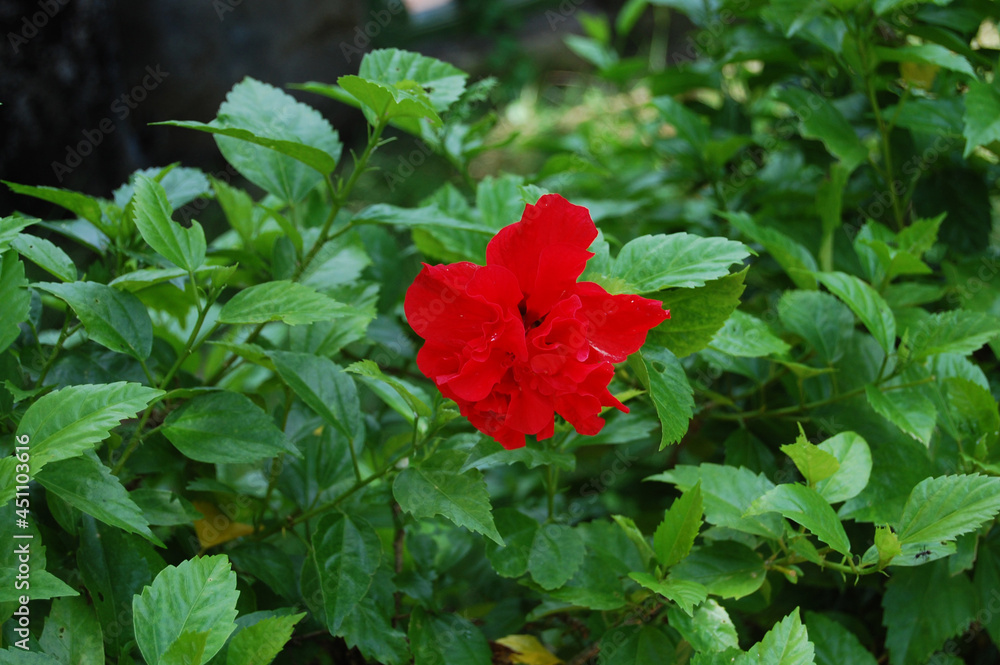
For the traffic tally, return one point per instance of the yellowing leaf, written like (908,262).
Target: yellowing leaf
(528,650)
(918,74)
(216,528)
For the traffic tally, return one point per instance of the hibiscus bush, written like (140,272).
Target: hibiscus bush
(684,364)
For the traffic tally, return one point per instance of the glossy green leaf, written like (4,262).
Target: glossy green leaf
(854,458)
(982,116)
(708,628)
(369,370)
(325,388)
(65,423)
(926,54)
(675,535)
(443,82)
(285,301)
(434,487)
(81,204)
(923,607)
(115,319)
(797,262)
(653,263)
(727,492)
(348,552)
(556,554)
(387,101)
(958,331)
(697,314)
(72,633)
(818,318)
(225,427)
(726,568)
(746,336)
(15,296)
(944,508)
(805,506)
(260,643)
(787,643)
(195,596)
(866,303)
(671,393)
(819,119)
(368,627)
(184,247)
(908,409)
(188,649)
(45,255)
(685,593)
(87,484)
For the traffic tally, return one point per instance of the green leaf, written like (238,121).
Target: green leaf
(15,297)
(814,463)
(67,422)
(944,508)
(866,303)
(286,301)
(225,427)
(976,415)
(442,82)
(518,531)
(187,649)
(197,595)
(835,645)
(907,409)
(388,101)
(115,319)
(446,639)
(727,493)
(80,204)
(923,607)
(185,248)
(707,629)
(653,263)
(797,262)
(819,119)
(676,533)
(260,643)
(987,580)
(369,629)
(958,331)
(982,116)
(671,393)
(696,315)
(488,453)
(690,126)
(423,217)
(163,507)
(787,643)
(348,552)
(325,388)
(726,568)
(286,134)
(556,554)
(818,318)
(854,458)
(927,54)
(434,487)
(114,566)
(805,506)
(85,483)
(746,336)
(635,645)
(45,255)
(369,370)
(72,633)
(684,593)
(633,533)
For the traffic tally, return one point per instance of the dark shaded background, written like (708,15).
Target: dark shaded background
(81,79)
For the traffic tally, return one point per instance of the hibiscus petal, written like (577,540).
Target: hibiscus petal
(476,379)
(529,411)
(520,246)
(617,324)
(582,412)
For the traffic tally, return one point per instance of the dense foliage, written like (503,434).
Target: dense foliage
(221,449)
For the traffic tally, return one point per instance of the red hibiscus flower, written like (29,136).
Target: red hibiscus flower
(519,339)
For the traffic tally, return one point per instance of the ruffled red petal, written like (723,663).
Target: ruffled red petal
(617,324)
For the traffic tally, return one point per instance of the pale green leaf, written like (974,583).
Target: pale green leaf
(184,247)
(45,255)
(805,506)
(866,303)
(285,301)
(115,319)
(671,393)
(675,535)
(944,508)
(746,336)
(653,263)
